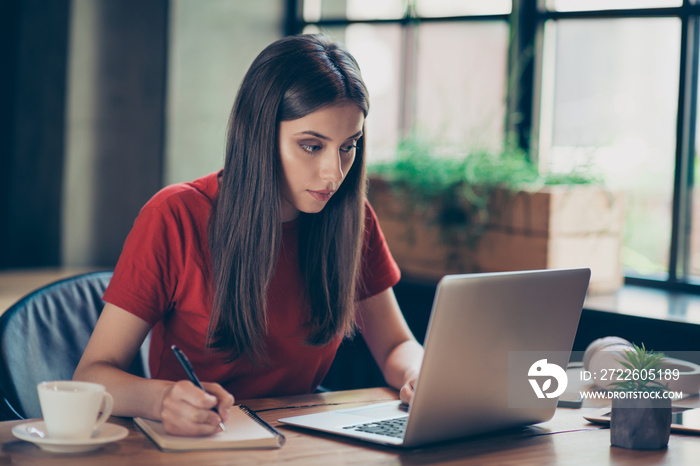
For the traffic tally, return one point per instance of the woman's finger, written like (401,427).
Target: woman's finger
(187,410)
(225,399)
(407,391)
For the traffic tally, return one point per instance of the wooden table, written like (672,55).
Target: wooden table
(566,439)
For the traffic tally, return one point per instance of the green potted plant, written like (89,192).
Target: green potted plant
(448,211)
(641,415)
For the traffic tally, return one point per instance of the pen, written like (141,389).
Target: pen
(185,363)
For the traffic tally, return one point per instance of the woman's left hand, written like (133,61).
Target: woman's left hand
(406,393)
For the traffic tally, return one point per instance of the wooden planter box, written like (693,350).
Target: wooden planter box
(555,227)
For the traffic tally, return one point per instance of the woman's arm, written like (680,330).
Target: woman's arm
(391,342)
(183,408)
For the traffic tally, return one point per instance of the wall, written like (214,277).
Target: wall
(33,36)
(212,44)
(104,103)
(115,123)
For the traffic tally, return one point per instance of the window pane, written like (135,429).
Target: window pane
(377,50)
(613,104)
(462,7)
(694,263)
(461,82)
(315,10)
(587,5)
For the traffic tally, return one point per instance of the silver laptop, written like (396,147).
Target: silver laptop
(496,348)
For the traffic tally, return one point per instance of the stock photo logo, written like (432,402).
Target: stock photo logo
(543,372)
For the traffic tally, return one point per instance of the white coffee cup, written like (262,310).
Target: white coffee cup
(71,409)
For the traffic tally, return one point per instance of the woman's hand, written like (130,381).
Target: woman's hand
(407,391)
(187,410)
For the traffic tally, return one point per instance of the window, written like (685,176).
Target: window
(614,104)
(418,60)
(613,83)
(618,90)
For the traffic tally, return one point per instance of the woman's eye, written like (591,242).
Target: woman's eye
(348,148)
(311,148)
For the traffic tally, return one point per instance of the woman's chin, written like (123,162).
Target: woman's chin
(313,210)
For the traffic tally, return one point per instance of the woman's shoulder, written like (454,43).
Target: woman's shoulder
(370,217)
(192,194)
(373,235)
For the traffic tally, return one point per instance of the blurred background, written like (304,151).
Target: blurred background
(103,102)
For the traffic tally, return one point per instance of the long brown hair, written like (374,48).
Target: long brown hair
(290,78)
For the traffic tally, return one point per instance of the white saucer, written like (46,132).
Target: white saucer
(36,432)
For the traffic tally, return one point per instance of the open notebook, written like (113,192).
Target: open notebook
(244,430)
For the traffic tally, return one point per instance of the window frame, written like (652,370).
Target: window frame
(295,23)
(678,278)
(528,18)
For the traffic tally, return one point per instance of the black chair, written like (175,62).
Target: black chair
(43,336)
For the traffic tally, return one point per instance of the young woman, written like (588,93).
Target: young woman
(259,271)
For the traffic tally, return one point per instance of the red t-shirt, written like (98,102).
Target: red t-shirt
(160,278)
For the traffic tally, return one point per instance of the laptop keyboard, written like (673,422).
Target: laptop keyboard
(389,427)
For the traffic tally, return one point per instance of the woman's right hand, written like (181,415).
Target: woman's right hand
(183,408)
(187,410)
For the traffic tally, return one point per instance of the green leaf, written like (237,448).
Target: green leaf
(637,359)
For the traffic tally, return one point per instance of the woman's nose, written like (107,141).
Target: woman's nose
(332,168)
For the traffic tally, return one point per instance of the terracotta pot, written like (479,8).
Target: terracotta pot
(554,227)
(640,424)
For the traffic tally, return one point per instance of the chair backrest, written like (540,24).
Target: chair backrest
(43,336)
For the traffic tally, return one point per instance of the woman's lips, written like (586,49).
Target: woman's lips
(321,196)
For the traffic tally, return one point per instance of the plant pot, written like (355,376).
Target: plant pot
(555,227)
(640,424)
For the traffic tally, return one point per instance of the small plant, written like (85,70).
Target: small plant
(641,422)
(457,185)
(454,196)
(644,367)
(431,169)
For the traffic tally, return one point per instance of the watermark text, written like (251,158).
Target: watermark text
(641,395)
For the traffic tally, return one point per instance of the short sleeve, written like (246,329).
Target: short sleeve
(379,269)
(144,277)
